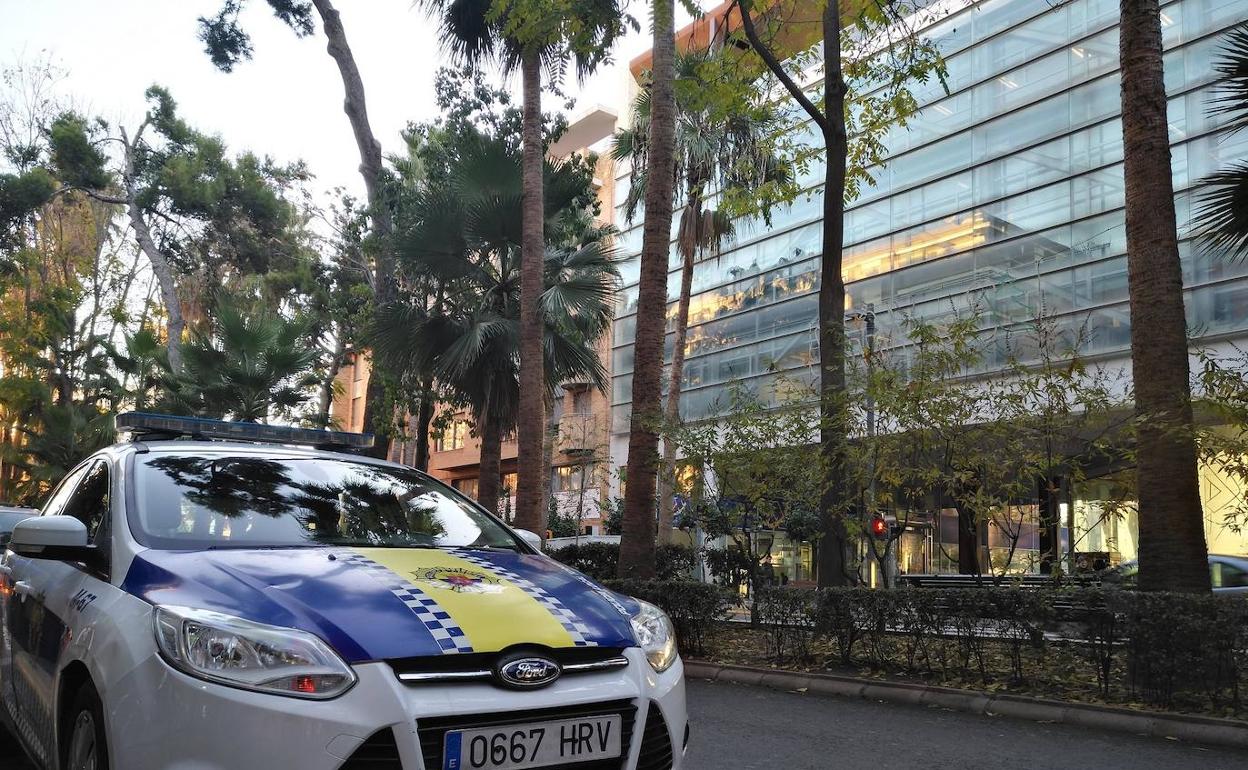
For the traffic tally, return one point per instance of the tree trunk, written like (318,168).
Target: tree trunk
(325,398)
(159,262)
(637,541)
(384,279)
(489,470)
(968,541)
(165,281)
(1173,554)
(531,424)
(834,424)
(667,479)
(424,417)
(833,561)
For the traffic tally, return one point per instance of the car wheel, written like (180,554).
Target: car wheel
(84,746)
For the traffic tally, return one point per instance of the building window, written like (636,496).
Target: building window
(509,484)
(453,436)
(580,402)
(567,478)
(466,486)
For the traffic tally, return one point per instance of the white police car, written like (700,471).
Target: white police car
(231,604)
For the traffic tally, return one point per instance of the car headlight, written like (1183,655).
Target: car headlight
(240,653)
(655,636)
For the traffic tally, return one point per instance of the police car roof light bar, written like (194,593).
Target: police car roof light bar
(148,424)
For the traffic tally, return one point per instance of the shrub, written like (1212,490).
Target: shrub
(694,607)
(597,560)
(674,562)
(600,560)
(788,615)
(1175,640)
(729,566)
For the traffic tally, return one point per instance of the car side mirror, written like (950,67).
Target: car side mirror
(532,538)
(63,538)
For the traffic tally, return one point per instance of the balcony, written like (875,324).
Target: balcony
(581,434)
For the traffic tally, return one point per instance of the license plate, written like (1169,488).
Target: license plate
(534,744)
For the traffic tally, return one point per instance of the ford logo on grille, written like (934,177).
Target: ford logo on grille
(528,672)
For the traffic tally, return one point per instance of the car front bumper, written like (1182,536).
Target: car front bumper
(161,719)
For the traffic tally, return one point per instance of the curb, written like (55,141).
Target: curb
(1185,727)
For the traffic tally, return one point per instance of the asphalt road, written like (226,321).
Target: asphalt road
(745,727)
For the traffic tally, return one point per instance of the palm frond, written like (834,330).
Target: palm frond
(1223,212)
(1232,67)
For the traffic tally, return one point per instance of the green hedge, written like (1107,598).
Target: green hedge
(1160,648)
(599,560)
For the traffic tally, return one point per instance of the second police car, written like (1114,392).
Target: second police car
(226,604)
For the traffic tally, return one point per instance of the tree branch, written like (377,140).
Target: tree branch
(773,64)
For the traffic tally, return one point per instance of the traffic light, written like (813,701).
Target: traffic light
(878,527)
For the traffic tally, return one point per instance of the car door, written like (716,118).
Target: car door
(13,619)
(45,596)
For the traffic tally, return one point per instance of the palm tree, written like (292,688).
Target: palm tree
(715,150)
(1224,202)
(1172,538)
(473,33)
(466,237)
(56,437)
(637,538)
(250,367)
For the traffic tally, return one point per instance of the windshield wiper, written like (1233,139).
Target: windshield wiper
(478,548)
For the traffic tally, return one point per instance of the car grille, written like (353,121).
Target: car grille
(433,730)
(656,742)
(442,669)
(379,752)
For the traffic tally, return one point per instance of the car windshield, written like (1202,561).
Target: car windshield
(188,502)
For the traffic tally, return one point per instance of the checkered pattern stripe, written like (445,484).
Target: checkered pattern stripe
(607,596)
(579,632)
(448,635)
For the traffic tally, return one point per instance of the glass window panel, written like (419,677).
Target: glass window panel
(1088,15)
(1200,16)
(1021,44)
(931,200)
(1096,192)
(1096,146)
(1218,309)
(1023,170)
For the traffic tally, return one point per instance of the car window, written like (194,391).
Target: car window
(89,502)
(55,503)
(188,502)
(1224,575)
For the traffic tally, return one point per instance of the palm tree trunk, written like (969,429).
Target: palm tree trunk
(491,461)
(531,424)
(384,279)
(1173,554)
(637,542)
(667,479)
(833,422)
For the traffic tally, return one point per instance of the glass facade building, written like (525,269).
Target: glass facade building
(1006,192)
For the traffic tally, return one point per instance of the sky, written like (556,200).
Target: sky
(287,101)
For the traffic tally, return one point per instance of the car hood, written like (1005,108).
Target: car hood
(386,603)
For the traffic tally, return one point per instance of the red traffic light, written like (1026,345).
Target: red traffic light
(878,527)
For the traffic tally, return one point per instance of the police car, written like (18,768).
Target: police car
(223,595)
